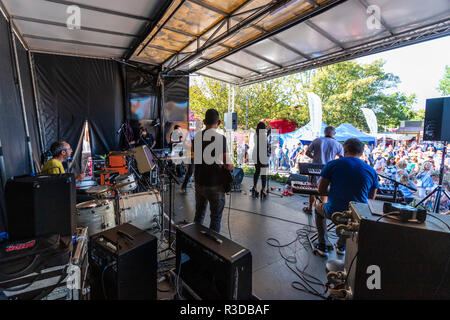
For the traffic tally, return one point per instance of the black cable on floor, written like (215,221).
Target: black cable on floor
(267,216)
(305,280)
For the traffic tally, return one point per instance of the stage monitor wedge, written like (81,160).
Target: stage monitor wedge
(437,120)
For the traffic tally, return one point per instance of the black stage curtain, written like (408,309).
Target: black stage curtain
(30,106)
(143,101)
(71,90)
(176,102)
(12,130)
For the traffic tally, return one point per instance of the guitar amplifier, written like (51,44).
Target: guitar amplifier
(46,203)
(388,259)
(122,264)
(214,267)
(144,159)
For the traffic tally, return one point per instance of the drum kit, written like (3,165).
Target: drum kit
(113,205)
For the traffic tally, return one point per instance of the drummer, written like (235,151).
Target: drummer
(61,151)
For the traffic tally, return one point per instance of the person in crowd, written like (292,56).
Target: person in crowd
(424,175)
(61,152)
(379,163)
(390,151)
(413,165)
(349,179)
(274,157)
(294,153)
(284,157)
(390,170)
(322,150)
(408,194)
(209,177)
(402,164)
(261,153)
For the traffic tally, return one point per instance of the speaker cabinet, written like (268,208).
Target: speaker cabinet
(40,205)
(437,120)
(144,159)
(122,263)
(388,259)
(214,267)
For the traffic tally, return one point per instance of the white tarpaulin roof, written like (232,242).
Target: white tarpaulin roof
(109,28)
(237,41)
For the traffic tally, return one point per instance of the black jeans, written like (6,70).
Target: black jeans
(258,168)
(188,175)
(215,195)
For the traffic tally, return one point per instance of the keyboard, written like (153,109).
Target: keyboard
(311,169)
(305,188)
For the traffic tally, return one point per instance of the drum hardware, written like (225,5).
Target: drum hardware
(341,217)
(347,231)
(166,172)
(104,171)
(126,178)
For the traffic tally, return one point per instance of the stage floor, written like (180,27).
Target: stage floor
(252,225)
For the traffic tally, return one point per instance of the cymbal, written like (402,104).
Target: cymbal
(96,190)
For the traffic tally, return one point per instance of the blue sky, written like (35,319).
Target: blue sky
(420,67)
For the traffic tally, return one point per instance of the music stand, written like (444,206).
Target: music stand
(439,188)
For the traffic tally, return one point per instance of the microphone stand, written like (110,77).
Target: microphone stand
(166,171)
(396,184)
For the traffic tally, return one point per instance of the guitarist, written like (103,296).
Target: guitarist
(213,165)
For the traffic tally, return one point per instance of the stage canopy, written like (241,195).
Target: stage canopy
(303,134)
(237,41)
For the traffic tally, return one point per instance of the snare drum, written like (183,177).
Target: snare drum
(97,215)
(140,209)
(128,177)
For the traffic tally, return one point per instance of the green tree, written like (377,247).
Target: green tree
(344,89)
(444,84)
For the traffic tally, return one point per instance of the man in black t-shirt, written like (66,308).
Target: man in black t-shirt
(210,159)
(146,138)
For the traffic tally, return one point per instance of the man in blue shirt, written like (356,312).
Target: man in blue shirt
(350,179)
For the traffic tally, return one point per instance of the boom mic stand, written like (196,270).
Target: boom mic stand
(166,171)
(439,189)
(396,184)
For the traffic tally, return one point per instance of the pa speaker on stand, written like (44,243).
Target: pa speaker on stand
(437,128)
